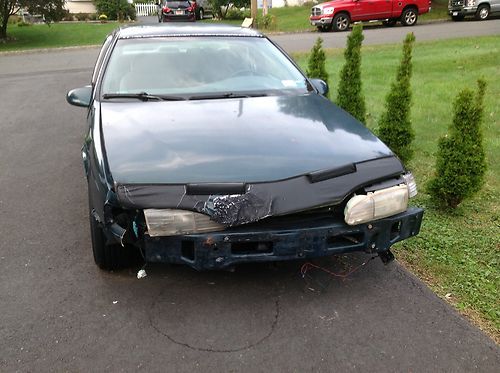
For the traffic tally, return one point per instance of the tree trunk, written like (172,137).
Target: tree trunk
(5,13)
(3,27)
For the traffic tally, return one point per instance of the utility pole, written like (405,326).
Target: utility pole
(253,11)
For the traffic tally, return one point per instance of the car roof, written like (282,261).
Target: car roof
(147,31)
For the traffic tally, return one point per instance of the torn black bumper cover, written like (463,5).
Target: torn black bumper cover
(243,244)
(234,204)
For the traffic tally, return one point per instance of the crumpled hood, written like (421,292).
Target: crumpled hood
(231,140)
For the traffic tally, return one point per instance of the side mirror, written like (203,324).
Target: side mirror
(80,96)
(320,86)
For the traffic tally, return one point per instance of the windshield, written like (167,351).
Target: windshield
(194,66)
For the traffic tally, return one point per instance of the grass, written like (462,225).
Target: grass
(457,252)
(56,35)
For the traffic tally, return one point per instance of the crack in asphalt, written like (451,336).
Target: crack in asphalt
(203,349)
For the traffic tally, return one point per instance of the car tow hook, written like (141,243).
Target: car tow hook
(386,256)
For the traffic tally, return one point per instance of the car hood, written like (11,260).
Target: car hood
(331,3)
(231,140)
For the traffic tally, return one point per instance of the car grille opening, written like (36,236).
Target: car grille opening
(187,250)
(249,248)
(344,240)
(395,229)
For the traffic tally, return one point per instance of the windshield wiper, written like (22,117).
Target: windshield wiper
(211,96)
(144,96)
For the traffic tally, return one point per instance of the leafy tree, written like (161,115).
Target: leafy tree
(461,160)
(316,63)
(51,10)
(395,124)
(115,9)
(220,7)
(350,97)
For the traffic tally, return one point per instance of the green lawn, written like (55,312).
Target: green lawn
(456,253)
(57,35)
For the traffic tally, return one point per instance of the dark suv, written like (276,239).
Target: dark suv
(176,10)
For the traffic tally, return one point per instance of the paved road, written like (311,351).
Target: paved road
(383,35)
(58,312)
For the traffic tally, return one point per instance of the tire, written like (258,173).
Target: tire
(341,22)
(409,17)
(483,12)
(201,14)
(110,257)
(457,18)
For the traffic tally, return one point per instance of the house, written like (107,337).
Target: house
(80,6)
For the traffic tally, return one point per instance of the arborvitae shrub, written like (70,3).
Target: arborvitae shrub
(350,97)
(461,160)
(395,124)
(316,63)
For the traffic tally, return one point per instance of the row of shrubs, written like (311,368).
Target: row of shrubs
(460,161)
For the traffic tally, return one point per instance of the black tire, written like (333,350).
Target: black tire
(409,17)
(341,22)
(390,22)
(457,18)
(110,257)
(201,14)
(483,12)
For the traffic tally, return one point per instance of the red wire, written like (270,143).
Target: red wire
(307,266)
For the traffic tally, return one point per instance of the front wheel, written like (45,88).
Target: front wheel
(201,14)
(341,22)
(409,17)
(110,257)
(482,12)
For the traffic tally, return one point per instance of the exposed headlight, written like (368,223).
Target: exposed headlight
(410,184)
(329,10)
(168,222)
(376,205)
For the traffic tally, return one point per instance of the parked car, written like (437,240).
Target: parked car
(339,14)
(480,9)
(176,11)
(243,160)
(203,9)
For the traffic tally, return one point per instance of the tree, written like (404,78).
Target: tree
(316,63)
(220,7)
(51,10)
(350,97)
(461,160)
(115,9)
(395,124)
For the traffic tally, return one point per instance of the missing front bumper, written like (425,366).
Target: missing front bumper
(329,236)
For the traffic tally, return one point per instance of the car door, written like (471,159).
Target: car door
(372,9)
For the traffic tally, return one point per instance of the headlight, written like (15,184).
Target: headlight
(328,10)
(167,222)
(376,205)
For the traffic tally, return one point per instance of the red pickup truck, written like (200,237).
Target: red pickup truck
(340,13)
